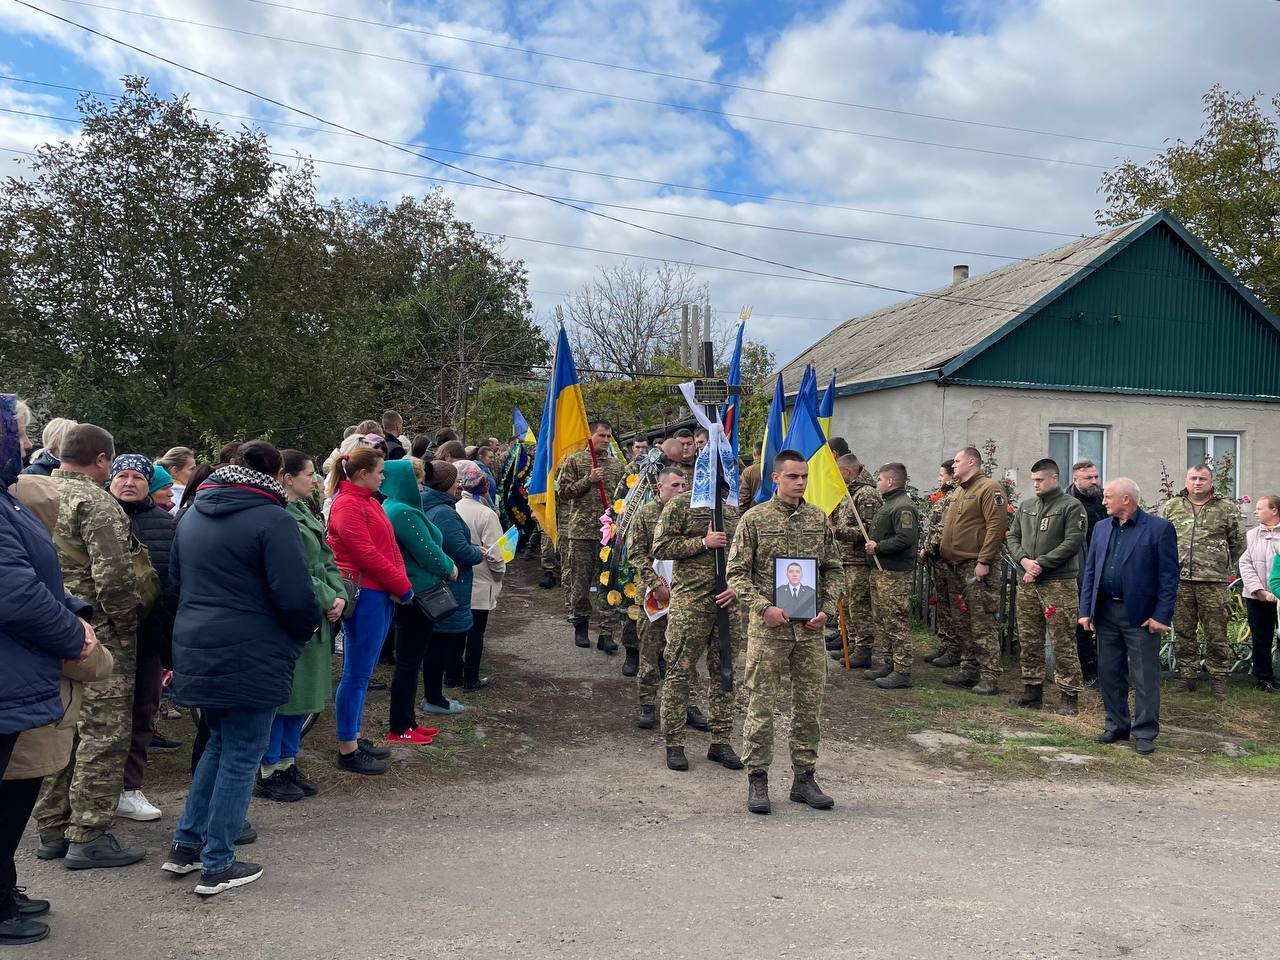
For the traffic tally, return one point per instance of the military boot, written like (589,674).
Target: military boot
(960,680)
(805,789)
(632,666)
(697,719)
(676,760)
(941,651)
(985,688)
(894,681)
(946,659)
(838,656)
(581,634)
(605,644)
(1186,685)
(859,658)
(648,717)
(875,673)
(758,792)
(548,581)
(102,851)
(723,754)
(1218,688)
(1032,696)
(1069,705)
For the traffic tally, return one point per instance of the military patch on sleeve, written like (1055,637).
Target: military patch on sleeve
(908,518)
(1082,523)
(999,499)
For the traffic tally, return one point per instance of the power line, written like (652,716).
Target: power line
(595,213)
(577,170)
(724,85)
(564,88)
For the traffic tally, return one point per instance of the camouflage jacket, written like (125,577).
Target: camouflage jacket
(1210,540)
(579,498)
(640,544)
(863,495)
(937,517)
(777,529)
(678,537)
(95,548)
(895,528)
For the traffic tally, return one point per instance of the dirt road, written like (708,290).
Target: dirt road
(550,828)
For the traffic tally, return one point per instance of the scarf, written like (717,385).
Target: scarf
(234,475)
(135,462)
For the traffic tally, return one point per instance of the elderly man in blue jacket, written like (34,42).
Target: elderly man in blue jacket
(1127,597)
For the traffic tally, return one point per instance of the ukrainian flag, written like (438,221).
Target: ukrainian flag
(826,486)
(827,406)
(729,412)
(775,428)
(564,431)
(520,427)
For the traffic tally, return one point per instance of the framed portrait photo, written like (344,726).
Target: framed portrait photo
(795,589)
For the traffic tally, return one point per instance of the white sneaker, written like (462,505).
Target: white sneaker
(134,805)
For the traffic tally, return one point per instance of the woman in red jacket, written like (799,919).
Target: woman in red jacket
(364,545)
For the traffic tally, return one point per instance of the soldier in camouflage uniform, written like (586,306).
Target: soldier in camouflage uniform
(1047,539)
(653,634)
(549,558)
(683,535)
(858,610)
(578,494)
(785,526)
(970,551)
(94,544)
(894,530)
(948,652)
(1210,541)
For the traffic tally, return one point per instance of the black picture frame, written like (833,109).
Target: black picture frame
(802,604)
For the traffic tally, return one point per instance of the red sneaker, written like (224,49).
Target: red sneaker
(426,731)
(411,737)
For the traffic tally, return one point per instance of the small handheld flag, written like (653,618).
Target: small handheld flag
(507,544)
(520,427)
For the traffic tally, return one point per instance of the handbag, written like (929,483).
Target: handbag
(436,603)
(351,584)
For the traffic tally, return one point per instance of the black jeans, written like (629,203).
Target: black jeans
(413,640)
(17,800)
(1261,615)
(474,648)
(446,649)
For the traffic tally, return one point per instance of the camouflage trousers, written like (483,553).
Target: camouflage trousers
(80,800)
(1035,600)
(859,609)
(805,653)
(891,598)
(549,558)
(977,603)
(692,636)
(653,647)
(578,577)
(1209,606)
(945,611)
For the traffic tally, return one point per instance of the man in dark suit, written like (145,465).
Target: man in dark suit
(1127,597)
(796,600)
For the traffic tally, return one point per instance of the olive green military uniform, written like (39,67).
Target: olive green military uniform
(859,609)
(944,600)
(1049,529)
(748,486)
(94,548)
(973,534)
(653,634)
(766,532)
(693,627)
(579,497)
(1210,542)
(895,530)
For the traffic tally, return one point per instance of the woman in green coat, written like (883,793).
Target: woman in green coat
(279,778)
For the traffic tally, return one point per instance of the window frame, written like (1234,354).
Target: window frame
(1074,430)
(1209,436)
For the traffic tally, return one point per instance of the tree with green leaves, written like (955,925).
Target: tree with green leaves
(1225,186)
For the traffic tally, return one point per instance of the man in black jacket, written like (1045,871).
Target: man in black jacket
(1086,487)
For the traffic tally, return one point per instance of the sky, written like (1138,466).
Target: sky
(810,158)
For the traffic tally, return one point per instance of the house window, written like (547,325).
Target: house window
(1222,452)
(1068,445)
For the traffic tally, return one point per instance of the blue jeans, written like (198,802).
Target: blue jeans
(220,789)
(286,734)
(365,632)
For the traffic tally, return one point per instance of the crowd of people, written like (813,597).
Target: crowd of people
(229,586)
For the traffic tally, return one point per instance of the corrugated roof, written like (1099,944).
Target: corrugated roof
(924,333)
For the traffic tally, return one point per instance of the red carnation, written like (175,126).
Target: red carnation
(1050,612)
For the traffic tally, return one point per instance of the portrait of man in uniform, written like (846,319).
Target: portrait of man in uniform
(796,587)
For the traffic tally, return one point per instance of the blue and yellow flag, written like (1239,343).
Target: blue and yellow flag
(775,428)
(520,428)
(827,406)
(564,431)
(826,486)
(729,412)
